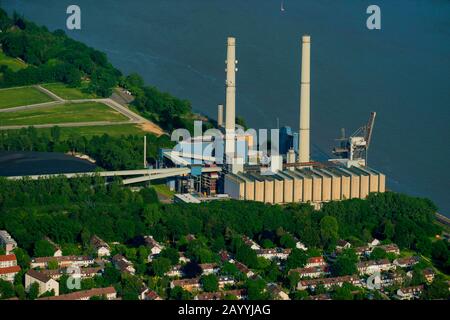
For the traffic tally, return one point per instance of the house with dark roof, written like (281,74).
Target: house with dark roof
(45,282)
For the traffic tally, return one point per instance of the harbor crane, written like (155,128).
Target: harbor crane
(355,149)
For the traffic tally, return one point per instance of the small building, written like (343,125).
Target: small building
(83,273)
(183,258)
(343,245)
(244,269)
(374,242)
(57,249)
(8,267)
(390,248)
(100,246)
(312,272)
(186,284)
(363,251)
(277,292)
(429,274)
(123,264)
(252,244)
(409,293)
(154,246)
(175,271)
(373,266)
(315,262)
(7,241)
(328,282)
(406,262)
(209,268)
(63,262)
(220,295)
(45,282)
(186,198)
(108,293)
(151,295)
(226,281)
(272,254)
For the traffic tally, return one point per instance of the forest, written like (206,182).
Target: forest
(69,211)
(111,153)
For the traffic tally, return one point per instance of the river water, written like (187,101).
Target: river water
(401,71)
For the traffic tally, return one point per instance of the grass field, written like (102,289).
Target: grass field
(68,113)
(16,97)
(11,63)
(68,93)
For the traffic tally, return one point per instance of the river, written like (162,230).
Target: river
(401,71)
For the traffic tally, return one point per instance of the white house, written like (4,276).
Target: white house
(315,262)
(8,267)
(409,293)
(100,246)
(123,264)
(46,283)
(373,266)
(154,246)
(7,241)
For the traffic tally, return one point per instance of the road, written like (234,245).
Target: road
(133,118)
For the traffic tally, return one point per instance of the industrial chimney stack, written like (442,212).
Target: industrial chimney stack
(220,116)
(304,141)
(230,97)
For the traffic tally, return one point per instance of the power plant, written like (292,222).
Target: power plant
(240,168)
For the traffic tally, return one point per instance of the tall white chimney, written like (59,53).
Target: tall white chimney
(230,97)
(220,116)
(304,141)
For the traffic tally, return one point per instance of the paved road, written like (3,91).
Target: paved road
(133,118)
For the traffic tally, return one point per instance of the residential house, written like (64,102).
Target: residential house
(108,293)
(244,269)
(343,245)
(252,244)
(409,293)
(101,247)
(224,256)
(328,282)
(187,284)
(154,246)
(123,264)
(190,237)
(151,295)
(363,251)
(374,242)
(226,281)
(277,292)
(7,241)
(209,268)
(183,258)
(175,271)
(46,283)
(406,262)
(391,278)
(82,273)
(57,249)
(320,297)
(429,274)
(390,248)
(272,254)
(315,262)
(373,266)
(8,267)
(220,295)
(312,272)
(63,262)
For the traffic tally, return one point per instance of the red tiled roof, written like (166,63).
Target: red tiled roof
(13,269)
(96,292)
(8,257)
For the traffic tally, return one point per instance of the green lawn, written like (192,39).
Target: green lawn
(68,93)
(11,63)
(68,113)
(16,97)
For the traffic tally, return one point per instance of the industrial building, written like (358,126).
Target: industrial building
(315,185)
(290,176)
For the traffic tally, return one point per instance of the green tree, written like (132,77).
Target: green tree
(6,289)
(438,289)
(210,283)
(378,254)
(33,292)
(329,234)
(179,293)
(171,254)
(43,248)
(345,263)
(160,266)
(343,293)
(297,259)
